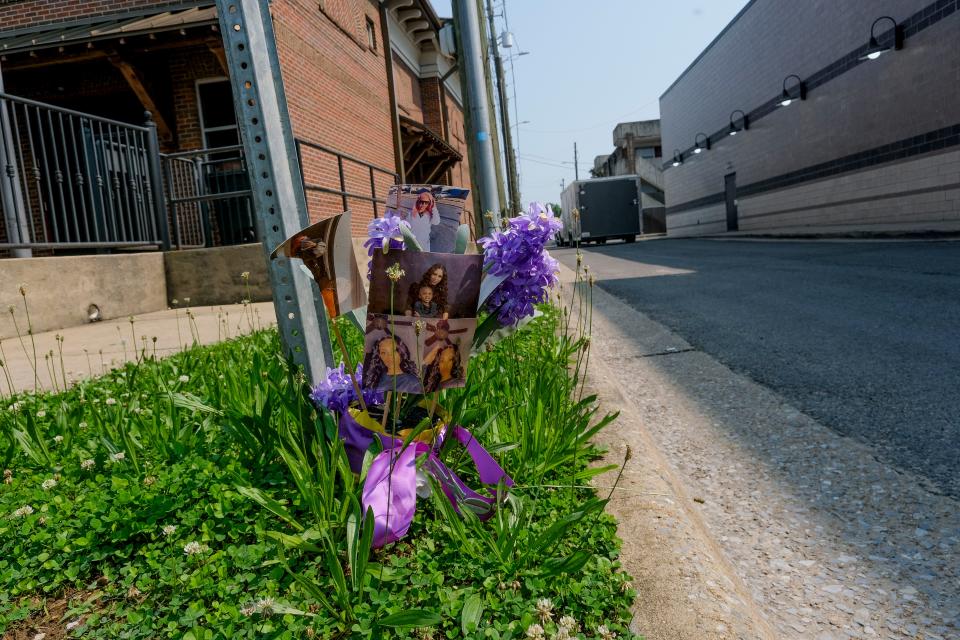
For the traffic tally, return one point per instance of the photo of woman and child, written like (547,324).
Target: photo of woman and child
(433,286)
(428,297)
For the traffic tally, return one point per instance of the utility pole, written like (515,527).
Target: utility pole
(576,167)
(471,61)
(513,188)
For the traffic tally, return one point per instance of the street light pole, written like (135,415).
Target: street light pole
(512,183)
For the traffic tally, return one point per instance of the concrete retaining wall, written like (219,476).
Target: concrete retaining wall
(212,276)
(60,290)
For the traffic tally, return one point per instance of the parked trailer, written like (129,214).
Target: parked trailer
(607,207)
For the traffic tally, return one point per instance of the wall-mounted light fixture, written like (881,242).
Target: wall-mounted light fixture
(874,50)
(697,147)
(799,90)
(677,158)
(744,123)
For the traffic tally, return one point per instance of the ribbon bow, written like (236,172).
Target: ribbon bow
(390,488)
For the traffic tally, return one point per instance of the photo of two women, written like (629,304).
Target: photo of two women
(402,353)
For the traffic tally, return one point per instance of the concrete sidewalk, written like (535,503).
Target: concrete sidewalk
(92,349)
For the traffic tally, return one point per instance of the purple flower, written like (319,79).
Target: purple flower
(335,392)
(518,254)
(385,229)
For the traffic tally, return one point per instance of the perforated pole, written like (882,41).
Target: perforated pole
(274,170)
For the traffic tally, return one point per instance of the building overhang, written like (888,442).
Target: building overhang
(426,155)
(61,35)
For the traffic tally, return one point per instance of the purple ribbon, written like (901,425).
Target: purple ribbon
(390,488)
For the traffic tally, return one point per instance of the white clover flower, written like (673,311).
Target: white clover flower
(58,439)
(193,548)
(168,529)
(41,414)
(23,511)
(535,632)
(184,378)
(82,425)
(15,406)
(604,633)
(568,623)
(110,401)
(562,634)
(149,481)
(118,456)
(248,610)
(88,464)
(545,609)
(264,606)
(49,483)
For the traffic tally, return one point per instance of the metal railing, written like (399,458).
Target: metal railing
(208,193)
(78,181)
(342,159)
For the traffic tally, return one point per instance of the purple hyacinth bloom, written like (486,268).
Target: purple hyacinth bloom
(385,229)
(518,254)
(335,392)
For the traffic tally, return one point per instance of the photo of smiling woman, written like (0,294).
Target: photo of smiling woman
(388,366)
(442,368)
(428,297)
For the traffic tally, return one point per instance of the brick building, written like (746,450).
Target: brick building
(372,98)
(820,116)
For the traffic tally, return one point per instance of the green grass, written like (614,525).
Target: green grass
(178,446)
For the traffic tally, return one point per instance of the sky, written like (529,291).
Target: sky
(591,65)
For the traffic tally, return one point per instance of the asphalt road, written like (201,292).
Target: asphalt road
(863,336)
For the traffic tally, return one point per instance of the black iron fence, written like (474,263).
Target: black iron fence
(75,182)
(71,180)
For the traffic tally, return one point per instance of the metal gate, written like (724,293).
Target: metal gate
(209,199)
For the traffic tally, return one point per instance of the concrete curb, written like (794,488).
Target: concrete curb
(687,588)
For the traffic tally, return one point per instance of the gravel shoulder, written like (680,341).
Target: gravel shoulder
(742,517)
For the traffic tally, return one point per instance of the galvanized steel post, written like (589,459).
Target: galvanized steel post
(274,171)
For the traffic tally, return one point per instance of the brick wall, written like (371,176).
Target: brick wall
(457,138)
(186,66)
(21,13)
(337,96)
(407,85)
(431,100)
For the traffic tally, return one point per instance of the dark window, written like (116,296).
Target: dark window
(371,35)
(218,120)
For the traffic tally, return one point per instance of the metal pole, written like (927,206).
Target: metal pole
(275,180)
(472,65)
(512,184)
(158,196)
(576,166)
(11,195)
